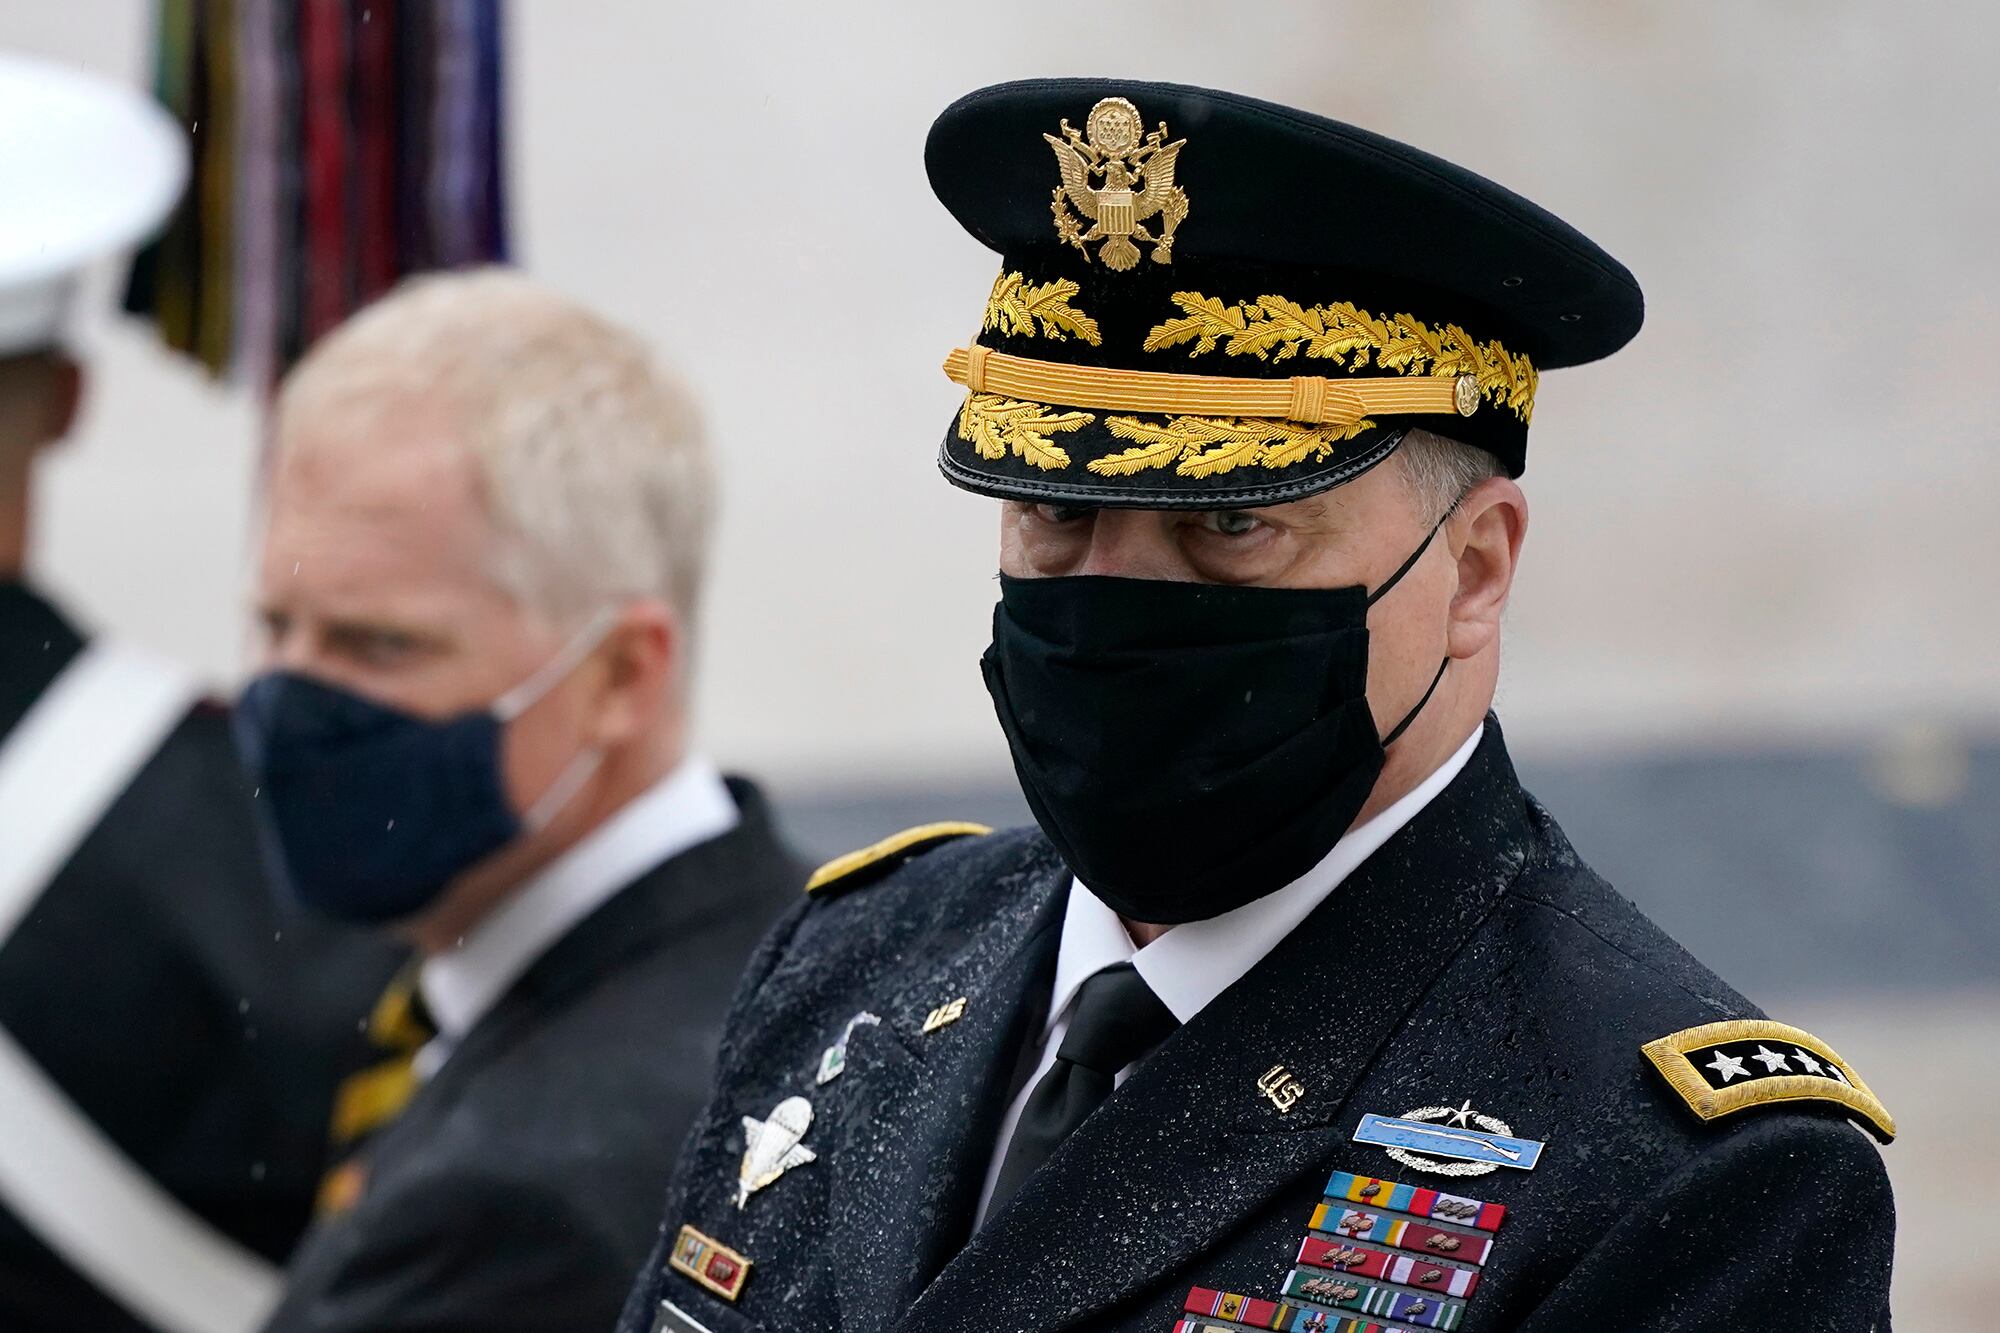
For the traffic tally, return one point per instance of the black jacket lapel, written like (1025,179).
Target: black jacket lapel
(918,1112)
(1189,1147)
(676,901)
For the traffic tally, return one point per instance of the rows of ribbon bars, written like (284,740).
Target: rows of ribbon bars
(338,146)
(1377,1257)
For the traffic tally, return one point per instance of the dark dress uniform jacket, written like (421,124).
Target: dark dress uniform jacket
(1472,956)
(520,1187)
(201,1027)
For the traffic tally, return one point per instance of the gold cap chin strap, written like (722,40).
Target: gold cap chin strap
(1311,399)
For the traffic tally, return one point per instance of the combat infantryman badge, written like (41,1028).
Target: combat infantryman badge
(772,1147)
(1138,176)
(1417,1138)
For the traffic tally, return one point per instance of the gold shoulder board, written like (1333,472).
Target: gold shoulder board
(878,859)
(1722,1068)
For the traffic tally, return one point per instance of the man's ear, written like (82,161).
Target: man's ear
(643,666)
(39,395)
(65,396)
(1486,532)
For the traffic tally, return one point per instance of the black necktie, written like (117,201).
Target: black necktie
(1116,1022)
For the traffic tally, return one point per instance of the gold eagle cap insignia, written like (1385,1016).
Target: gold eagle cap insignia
(1119,178)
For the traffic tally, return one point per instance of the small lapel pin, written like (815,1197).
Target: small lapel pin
(833,1060)
(341,1188)
(773,1147)
(709,1262)
(945,1015)
(1281,1088)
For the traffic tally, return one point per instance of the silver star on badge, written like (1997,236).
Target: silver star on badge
(1771,1060)
(1728,1066)
(1812,1066)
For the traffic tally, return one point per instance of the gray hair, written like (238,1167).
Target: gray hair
(591,458)
(1440,472)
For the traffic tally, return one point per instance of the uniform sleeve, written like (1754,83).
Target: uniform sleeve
(458,1253)
(1786,1222)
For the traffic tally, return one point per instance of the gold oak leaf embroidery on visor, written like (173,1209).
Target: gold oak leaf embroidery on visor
(996,426)
(1022,307)
(1210,446)
(1274,328)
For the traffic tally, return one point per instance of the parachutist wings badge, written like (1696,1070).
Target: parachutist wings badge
(772,1147)
(1138,184)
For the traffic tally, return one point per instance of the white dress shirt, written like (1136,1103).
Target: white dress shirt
(690,805)
(1193,963)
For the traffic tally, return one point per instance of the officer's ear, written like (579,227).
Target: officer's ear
(1485,533)
(644,672)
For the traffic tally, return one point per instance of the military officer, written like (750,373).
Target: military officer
(170,1037)
(1295,1011)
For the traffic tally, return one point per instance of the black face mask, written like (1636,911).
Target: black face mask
(1188,747)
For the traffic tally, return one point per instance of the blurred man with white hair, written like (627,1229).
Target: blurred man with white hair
(170,1035)
(488,513)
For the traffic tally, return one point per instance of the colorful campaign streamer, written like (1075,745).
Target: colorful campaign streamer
(338,146)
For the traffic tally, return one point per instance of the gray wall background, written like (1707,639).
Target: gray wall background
(1753,663)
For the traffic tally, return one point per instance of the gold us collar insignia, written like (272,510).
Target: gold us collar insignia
(1138,184)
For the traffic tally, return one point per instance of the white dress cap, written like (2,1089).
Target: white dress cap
(87,167)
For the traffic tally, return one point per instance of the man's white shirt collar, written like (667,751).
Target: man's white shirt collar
(690,805)
(1193,963)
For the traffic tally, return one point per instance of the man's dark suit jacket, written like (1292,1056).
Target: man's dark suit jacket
(1473,956)
(520,1188)
(202,1027)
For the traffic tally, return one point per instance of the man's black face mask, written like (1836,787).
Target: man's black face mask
(1188,747)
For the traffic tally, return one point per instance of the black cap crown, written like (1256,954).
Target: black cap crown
(1206,300)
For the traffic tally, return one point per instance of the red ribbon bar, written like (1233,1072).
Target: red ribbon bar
(1361,1224)
(1406,1270)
